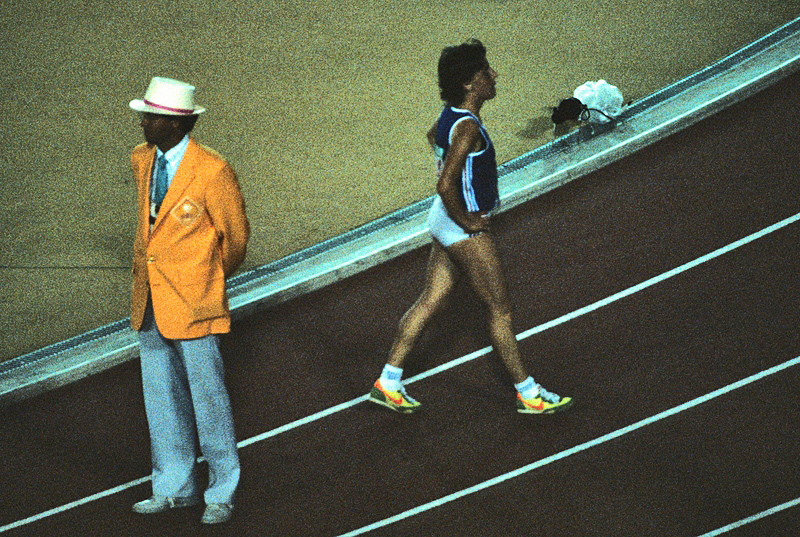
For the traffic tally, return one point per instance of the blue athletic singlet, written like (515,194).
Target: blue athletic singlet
(479,175)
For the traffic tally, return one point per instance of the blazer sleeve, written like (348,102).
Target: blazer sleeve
(141,158)
(225,205)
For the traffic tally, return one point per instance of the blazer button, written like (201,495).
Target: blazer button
(151,258)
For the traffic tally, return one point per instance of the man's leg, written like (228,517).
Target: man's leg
(170,415)
(212,408)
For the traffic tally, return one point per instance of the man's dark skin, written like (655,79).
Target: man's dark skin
(165,131)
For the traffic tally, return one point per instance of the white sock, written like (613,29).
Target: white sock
(390,377)
(528,388)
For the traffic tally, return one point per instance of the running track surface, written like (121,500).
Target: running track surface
(686,472)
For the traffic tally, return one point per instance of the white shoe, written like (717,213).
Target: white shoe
(159,504)
(217,513)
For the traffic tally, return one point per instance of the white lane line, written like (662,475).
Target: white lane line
(572,451)
(449,365)
(617,296)
(303,421)
(537,329)
(748,520)
(72,505)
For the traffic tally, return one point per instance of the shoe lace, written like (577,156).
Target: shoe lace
(550,397)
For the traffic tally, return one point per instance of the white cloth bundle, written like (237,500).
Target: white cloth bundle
(601,96)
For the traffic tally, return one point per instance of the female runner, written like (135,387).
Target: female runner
(460,224)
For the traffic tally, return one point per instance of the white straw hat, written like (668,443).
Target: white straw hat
(168,97)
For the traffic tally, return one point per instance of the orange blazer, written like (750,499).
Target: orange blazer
(199,238)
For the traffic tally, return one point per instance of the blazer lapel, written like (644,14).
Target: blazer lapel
(183,178)
(144,191)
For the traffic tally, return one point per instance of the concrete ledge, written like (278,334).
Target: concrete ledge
(667,111)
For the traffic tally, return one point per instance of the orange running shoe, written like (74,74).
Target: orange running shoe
(544,403)
(399,401)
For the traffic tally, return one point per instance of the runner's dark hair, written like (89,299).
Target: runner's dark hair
(457,65)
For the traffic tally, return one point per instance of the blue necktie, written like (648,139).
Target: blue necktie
(160,189)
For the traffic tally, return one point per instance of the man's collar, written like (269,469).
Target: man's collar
(176,151)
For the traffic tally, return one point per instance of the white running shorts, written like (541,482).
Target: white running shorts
(443,228)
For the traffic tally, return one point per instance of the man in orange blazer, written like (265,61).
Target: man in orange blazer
(192,233)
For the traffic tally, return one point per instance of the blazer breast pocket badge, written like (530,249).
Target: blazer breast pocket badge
(186,211)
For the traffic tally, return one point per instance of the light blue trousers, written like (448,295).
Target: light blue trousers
(186,400)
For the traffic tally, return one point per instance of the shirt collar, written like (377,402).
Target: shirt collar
(175,154)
